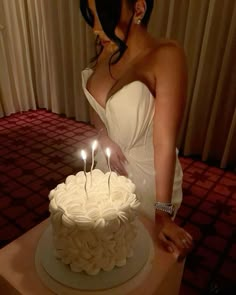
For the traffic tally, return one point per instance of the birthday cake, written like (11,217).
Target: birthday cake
(93,219)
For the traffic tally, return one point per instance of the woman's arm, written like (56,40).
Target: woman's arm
(171,83)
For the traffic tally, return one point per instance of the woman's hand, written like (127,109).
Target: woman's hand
(118,159)
(172,237)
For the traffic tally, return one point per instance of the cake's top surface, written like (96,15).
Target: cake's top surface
(99,204)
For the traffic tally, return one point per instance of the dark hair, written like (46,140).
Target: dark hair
(109,15)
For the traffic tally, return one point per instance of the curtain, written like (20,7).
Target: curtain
(207,31)
(44,45)
(16,87)
(61,48)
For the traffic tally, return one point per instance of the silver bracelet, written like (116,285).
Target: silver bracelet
(165,207)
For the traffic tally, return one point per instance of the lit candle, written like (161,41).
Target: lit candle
(108,153)
(84,157)
(94,146)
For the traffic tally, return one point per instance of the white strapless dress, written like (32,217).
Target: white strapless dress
(128,117)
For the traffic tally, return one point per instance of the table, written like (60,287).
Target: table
(18,274)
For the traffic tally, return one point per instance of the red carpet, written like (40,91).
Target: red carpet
(38,149)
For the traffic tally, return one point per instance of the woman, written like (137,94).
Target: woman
(137,89)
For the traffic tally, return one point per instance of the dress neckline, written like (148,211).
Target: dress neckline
(85,80)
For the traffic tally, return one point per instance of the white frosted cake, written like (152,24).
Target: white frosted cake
(94,231)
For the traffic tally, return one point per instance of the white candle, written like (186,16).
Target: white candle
(94,146)
(108,153)
(84,157)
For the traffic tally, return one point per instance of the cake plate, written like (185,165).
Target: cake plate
(121,280)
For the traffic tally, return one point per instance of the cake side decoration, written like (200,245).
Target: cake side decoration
(94,229)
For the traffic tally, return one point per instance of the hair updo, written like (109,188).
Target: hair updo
(109,13)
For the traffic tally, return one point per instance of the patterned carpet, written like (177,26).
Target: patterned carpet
(38,149)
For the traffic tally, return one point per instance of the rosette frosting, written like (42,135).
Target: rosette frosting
(94,230)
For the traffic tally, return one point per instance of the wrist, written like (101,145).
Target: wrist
(164,208)
(161,217)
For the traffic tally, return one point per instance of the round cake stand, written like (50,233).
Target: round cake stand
(61,280)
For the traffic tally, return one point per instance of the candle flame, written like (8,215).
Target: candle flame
(83,155)
(108,152)
(94,145)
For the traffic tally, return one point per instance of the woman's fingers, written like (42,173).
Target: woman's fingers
(189,236)
(122,157)
(118,159)
(122,162)
(182,241)
(117,164)
(185,243)
(186,239)
(119,168)
(167,244)
(174,238)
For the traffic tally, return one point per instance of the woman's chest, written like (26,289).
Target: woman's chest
(106,80)
(99,85)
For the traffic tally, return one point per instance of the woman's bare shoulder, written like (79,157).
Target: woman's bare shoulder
(166,49)
(161,56)
(165,54)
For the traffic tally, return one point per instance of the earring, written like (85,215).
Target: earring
(138,21)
